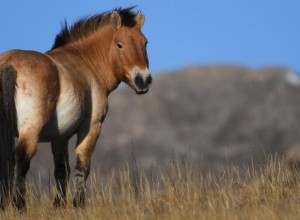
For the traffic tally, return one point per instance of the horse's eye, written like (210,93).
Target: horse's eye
(119,45)
(146,43)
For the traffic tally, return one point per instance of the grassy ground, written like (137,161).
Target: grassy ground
(178,192)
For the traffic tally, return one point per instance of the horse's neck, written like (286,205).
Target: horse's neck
(97,56)
(89,57)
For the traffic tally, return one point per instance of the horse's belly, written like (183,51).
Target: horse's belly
(64,121)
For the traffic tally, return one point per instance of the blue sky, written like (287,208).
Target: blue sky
(254,33)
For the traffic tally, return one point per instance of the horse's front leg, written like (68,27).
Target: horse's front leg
(61,170)
(87,138)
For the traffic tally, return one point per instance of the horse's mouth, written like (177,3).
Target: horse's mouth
(141,92)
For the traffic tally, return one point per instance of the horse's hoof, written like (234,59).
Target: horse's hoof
(59,202)
(3,202)
(2,206)
(19,204)
(79,201)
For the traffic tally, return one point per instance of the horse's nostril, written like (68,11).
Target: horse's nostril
(139,81)
(149,80)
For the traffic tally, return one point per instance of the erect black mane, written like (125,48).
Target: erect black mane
(88,25)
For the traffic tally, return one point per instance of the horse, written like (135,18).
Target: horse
(49,97)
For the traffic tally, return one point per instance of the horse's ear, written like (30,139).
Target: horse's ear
(115,20)
(139,19)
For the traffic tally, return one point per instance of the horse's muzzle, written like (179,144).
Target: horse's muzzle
(142,83)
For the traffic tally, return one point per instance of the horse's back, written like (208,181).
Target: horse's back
(27,60)
(31,65)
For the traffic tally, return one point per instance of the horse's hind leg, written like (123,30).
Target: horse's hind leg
(24,151)
(61,170)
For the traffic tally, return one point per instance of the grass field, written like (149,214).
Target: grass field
(178,192)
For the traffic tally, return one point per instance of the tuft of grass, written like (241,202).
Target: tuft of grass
(180,191)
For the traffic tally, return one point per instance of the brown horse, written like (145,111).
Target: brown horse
(51,96)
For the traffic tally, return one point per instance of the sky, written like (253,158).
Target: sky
(256,33)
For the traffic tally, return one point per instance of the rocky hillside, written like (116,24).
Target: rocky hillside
(211,116)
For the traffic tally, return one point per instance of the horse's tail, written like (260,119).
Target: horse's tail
(8,121)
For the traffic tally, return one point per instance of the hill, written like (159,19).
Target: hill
(211,116)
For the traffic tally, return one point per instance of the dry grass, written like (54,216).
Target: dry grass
(179,192)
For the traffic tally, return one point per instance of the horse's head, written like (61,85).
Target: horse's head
(129,52)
